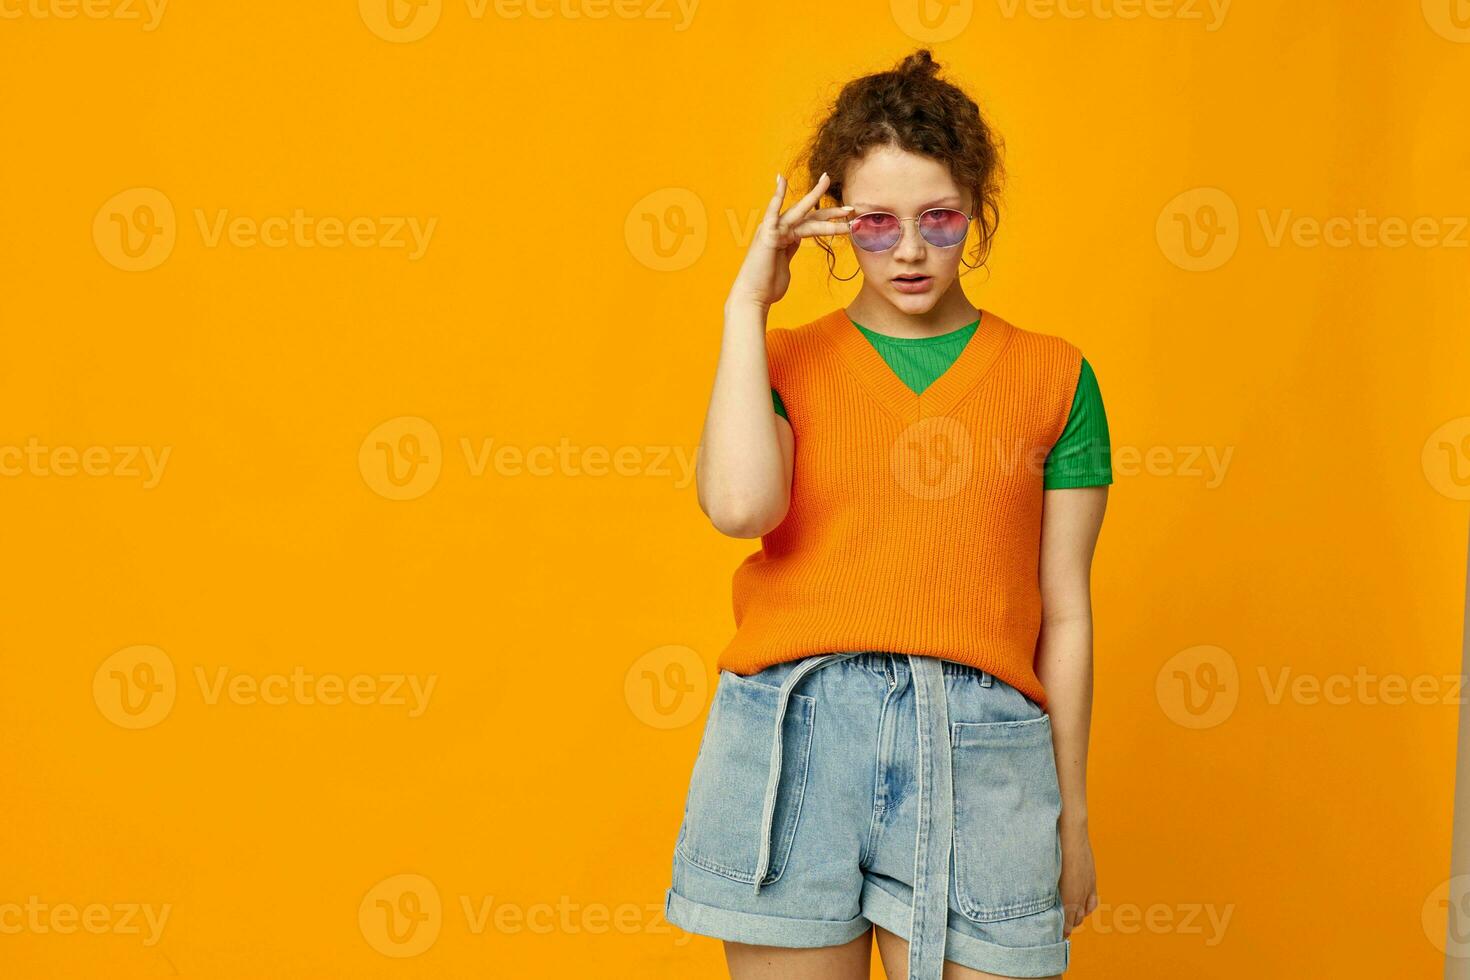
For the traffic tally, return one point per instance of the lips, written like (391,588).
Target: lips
(912,283)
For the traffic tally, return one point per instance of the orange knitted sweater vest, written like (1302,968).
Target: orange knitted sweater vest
(915,520)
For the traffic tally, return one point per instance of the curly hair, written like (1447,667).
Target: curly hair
(910,108)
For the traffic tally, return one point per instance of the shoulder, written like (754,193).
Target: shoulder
(1044,347)
(781,339)
(801,334)
(1048,354)
(789,346)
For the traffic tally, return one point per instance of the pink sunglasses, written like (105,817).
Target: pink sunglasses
(878,231)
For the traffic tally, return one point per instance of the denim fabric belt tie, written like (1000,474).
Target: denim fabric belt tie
(929,917)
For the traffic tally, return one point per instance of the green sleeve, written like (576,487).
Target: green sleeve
(780,408)
(1082,456)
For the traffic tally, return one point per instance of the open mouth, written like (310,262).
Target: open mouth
(912,278)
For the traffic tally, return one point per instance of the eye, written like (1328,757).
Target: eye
(941,217)
(876,220)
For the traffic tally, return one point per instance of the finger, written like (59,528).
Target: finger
(792,237)
(845,211)
(810,228)
(798,210)
(773,206)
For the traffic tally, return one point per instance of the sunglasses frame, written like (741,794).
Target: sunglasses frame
(968,218)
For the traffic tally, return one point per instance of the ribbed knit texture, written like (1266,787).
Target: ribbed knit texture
(1083,455)
(915,520)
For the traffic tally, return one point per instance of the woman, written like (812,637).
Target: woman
(898,737)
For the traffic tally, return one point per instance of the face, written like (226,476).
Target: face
(912,275)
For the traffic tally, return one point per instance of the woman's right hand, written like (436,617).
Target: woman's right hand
(765,275)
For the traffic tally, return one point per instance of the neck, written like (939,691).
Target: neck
(874,311)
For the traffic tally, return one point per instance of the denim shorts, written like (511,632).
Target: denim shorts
(911,792)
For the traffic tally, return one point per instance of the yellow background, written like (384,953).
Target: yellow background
(594,174)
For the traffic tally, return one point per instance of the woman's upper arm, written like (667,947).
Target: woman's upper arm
(1071,519)
(787,438)
(1079,469)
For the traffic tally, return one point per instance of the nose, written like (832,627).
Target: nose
(911,244)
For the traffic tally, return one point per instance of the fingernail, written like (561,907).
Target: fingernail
(824,173)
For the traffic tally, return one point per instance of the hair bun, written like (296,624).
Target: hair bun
(921,62)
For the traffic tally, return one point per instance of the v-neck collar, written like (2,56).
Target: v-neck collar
(859,354)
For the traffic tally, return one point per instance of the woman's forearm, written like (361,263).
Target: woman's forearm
(740,474)
(1064,664)
(1071,521)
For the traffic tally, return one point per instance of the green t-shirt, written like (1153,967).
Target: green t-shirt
(1082,456)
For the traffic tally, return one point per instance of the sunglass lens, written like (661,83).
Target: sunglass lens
(943,227)
(875,231)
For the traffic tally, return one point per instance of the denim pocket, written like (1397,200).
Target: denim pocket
(1007,848)
(722,815)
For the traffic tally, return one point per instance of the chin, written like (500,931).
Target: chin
(915,303)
